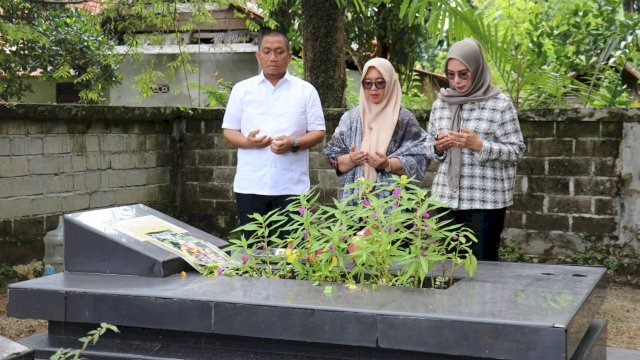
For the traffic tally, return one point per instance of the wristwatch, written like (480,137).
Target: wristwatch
(296,145)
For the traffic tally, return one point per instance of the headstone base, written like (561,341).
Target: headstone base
(152,344)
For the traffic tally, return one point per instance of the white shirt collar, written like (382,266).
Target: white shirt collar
(287,76)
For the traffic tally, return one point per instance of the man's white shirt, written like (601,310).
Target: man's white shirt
(291,108)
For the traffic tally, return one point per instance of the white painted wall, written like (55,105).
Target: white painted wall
(44,92)
(230,66)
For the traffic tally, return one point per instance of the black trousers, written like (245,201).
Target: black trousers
(251,203)
(487,225)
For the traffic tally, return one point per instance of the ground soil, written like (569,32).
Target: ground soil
(621,307)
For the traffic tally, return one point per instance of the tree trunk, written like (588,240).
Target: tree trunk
(631,5)
(323,50)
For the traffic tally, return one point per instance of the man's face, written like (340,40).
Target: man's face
(273,57)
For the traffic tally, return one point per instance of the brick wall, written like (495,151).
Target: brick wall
(569,193)
(572,189)
(59,159)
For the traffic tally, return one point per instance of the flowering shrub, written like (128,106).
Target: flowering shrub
(384,234)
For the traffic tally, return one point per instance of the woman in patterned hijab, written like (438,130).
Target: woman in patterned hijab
(379,137)
(474,135)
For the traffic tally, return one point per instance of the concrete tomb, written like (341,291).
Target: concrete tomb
(506,311)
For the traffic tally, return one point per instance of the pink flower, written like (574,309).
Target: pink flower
(344,239)
(389,229)
(396,191)
(332,248)
(426,215)
(351,248)
(367,232)
(366,202)
(375,215)
(220,271)
(395,203)
(305,235)
(244,259)
(302,210)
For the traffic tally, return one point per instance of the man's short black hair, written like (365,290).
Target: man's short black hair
(272,32)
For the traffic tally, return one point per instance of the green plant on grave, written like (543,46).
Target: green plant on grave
(92,337)
(383,234)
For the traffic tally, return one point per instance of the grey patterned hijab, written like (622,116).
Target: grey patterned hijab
(468,52)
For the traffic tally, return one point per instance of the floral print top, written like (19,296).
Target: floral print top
(407,144)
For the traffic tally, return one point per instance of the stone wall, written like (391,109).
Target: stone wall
(59,159)
(576,186)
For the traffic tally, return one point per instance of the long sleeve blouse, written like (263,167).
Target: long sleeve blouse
(407,145)
(486,177)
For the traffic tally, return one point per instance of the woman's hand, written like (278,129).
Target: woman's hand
(378,161)
(466,139)
(354,158)
(357,157)
(443,142)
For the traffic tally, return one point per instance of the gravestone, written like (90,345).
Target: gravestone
(506,311)
(113,241)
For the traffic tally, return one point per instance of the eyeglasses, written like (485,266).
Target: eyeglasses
(368,84)
(462,75)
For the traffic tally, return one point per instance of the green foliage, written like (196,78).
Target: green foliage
(417,95)
(374,28)
(296,67)
(9,275)
(161,20)
(92,338)
(384,234)
(612,256)
(510,252)
(58,41)
(543,53)
(414,95)
(218,95)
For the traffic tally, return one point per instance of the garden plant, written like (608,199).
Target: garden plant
(384,234)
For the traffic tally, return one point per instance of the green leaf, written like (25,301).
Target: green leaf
(328,290)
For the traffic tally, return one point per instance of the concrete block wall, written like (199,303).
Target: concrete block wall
(577,184)
(208,200)
(61,159)
(569,193)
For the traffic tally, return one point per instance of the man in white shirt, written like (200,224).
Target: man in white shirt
(273,119)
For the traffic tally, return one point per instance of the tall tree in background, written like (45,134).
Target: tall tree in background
(376,30)
(324,60)
(632,6)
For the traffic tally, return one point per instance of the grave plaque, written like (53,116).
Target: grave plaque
(129,240)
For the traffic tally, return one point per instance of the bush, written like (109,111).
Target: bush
(384,234)
(8,275)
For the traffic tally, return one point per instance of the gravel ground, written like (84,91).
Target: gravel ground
(621,307)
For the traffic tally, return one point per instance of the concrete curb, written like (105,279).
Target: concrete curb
(622,354)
